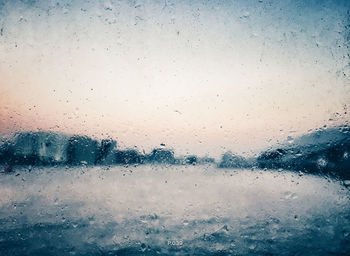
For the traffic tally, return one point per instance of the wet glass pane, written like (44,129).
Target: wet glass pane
(170,127)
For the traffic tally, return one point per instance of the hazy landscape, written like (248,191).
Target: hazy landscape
(324,151)
(74,195)
(166,127)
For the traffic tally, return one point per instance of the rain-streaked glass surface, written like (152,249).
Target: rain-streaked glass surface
(164,127)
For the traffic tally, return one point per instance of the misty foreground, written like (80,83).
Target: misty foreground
(171,210)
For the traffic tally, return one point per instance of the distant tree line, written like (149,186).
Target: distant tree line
(48,148)
(323,151)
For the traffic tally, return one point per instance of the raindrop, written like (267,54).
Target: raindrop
(290,139)
(143,247)
(346,183)
(290,195)
(321,162)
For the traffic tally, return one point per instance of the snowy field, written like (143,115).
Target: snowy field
(171,210)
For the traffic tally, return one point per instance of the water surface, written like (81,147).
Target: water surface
(171,210)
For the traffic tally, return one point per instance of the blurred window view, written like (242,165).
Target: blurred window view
(163,127)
